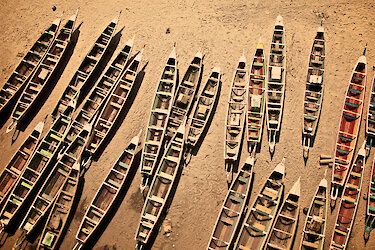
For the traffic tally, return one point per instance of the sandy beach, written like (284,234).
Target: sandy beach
(223,30)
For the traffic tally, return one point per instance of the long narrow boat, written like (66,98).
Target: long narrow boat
(184,97)
(40,79)
(157,123)
(87,68)
(69,164)
(104,86)
(349,202)
(370,122)
(260,217)
(17,164)
(36,168)
(25,69)
(160,188)
(349,126)
(284,230)
(60,212)
(114,104)
(236,113)
(107,194)
(370,210)
(314,232)
(203,108)
(312,104)
(233,208)
(276,82)
(256,102)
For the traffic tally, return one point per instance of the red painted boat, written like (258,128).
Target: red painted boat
(349,126)
(370,122)
(349,203)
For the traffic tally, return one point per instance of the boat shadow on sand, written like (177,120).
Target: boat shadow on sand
(123,112)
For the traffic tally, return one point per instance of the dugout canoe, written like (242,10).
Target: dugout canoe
(41,78)
(25,69)
(276,83)
(312,104)
(157,124)
(233,208)
(349,126)
(261,215)
(107,194)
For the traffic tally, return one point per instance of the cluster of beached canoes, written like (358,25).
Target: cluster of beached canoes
(44,174)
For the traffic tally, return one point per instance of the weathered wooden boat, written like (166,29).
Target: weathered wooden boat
(68,166)
(283,230)
(256,102)
(312,104)
(25,69)
(42,75)
(203,108)
(260,217)
(60,212)
(233,208)
(349,202)
(17,164)
(107,194)
(184,97)
(370,209)
(236,114)
(314,232)
(370,121)
(114,104)
(349,126)
(36,168)
(157,123)
(160,188)
(276,82)
(104,86)
(87,67)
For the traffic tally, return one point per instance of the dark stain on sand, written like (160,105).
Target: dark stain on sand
(136,201)
(81,210)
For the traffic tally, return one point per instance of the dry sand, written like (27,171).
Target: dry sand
(223,29)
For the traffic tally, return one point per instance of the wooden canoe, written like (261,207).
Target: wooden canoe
(312,104)
(87,67)
(107,193)
(60,212)
(36,168)
(370,210)
(314,232)
(183,100)
(349,126)
(68,165)
(17,164)
(259,219)
(236,112)
(233,208)
(160,188)
(370,121)
(104,85)
(25,69)
(256,102)
(157,123)
(283,230)
(42,75)
(349,202)
(114,105)
(203,108)
(276,82)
